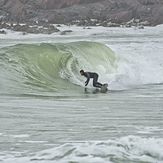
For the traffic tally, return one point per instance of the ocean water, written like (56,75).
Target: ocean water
(46,115)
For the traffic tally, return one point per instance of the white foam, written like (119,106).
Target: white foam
(21,136)
(140,58)
(129,149)
(92,31)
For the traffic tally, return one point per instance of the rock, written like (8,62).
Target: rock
(87,28)
(58,25)
(157,15)
(122,16)
(4,25)
(65,32)
(22,28)
(48,29)
(144,23)
(3,32)
(141,27)
(14,7)
(110,24)
(24,33)
(87,12)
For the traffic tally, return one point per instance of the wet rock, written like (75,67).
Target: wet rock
(3,32)
(141,27)
(65,32)
(22,28)
(4,25)
(144,23)
(48,29)
(110,24)
(24,33)
(58,25)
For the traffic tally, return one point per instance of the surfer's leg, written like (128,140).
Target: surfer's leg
(99,85)
(95,83)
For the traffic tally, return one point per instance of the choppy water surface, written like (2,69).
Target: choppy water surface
(47,117)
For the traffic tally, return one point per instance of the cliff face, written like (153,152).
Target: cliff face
(64,11)
(57,4)
(52,4)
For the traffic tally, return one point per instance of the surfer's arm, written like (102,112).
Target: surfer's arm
(88,78)
(87,81)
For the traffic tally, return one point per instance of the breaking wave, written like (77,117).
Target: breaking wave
(52,67)
(130,149)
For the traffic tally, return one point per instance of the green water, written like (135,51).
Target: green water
(51,67)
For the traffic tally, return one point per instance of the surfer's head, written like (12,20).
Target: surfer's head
(82,72)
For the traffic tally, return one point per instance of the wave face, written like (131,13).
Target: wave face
(52,67)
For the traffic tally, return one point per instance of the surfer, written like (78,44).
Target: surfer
(93,75)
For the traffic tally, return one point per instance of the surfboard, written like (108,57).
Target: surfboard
(104,88)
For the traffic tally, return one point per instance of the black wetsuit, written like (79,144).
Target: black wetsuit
(93,75)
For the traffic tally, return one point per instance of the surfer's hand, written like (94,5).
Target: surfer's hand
(86,83)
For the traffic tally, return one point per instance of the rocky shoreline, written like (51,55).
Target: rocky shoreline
(26,28)
(39,16)
(51,28)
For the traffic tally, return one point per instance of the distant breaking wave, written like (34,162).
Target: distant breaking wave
(52,67)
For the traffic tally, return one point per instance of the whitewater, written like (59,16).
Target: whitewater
(45,114)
